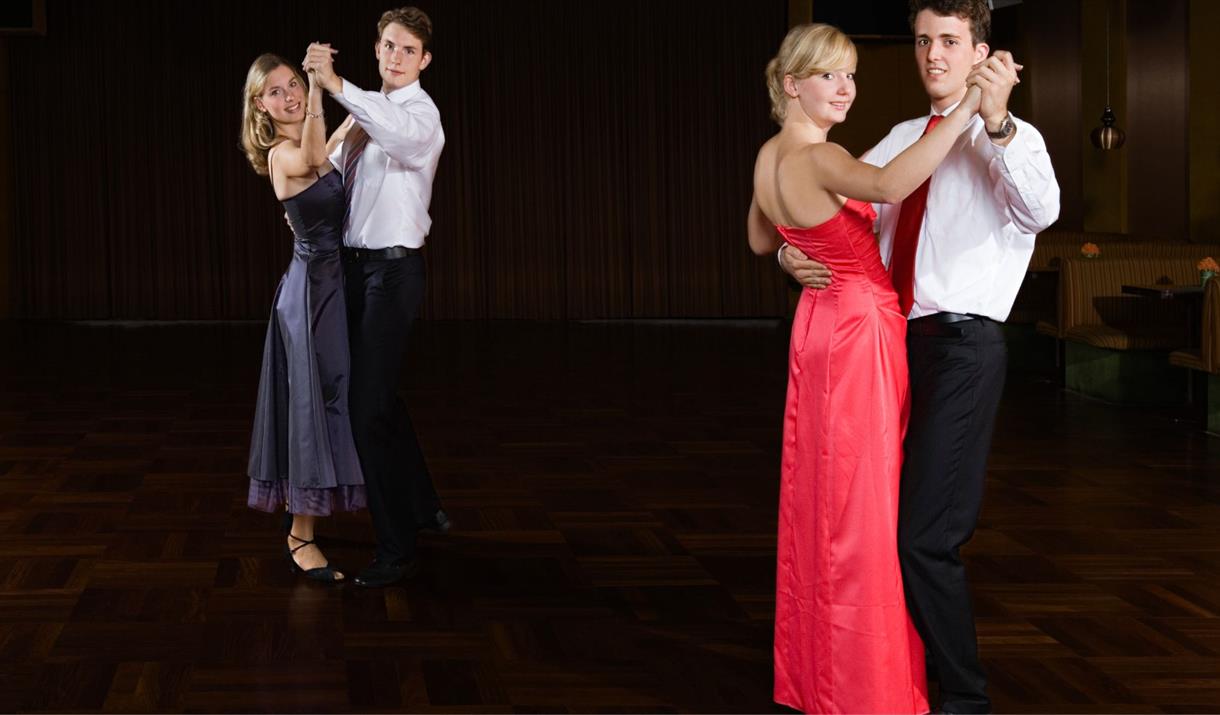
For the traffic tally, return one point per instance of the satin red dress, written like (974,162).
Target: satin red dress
(844,642)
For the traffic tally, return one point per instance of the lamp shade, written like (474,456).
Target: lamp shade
(1108,136)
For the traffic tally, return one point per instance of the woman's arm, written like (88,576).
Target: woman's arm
(336,139)
(839,172)
(763,237)
(294,160)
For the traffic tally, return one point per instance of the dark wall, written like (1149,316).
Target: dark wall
(597,164)
(1049,45)
(1158,54)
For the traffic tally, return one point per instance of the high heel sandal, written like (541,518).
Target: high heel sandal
(321,573)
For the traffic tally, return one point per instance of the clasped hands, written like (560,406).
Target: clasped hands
(319,64)
(994,77)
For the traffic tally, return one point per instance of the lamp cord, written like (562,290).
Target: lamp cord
(1107,54)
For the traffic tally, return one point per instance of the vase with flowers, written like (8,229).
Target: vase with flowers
(1207,269)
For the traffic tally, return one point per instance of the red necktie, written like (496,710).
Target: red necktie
(906,238)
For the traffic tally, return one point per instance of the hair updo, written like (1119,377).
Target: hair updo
(806,51)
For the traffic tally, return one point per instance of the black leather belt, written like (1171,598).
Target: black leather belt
(378,254)
(941,325)
(947,318)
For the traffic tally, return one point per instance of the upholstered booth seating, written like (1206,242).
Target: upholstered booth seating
(1038,297)
(1093,309)
(1206,357)
(1053,256)
(1115,345)
(1053,246)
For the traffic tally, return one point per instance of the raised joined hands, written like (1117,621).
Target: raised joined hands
(995,77)
(319,63)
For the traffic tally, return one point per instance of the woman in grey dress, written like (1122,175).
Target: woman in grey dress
(302,456)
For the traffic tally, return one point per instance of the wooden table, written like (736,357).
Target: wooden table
(1166,292)
(1190,296)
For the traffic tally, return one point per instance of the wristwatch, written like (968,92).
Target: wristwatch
(1005,130)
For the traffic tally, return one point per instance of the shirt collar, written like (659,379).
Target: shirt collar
(402,94)
(948,109)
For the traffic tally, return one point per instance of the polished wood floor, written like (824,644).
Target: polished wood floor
(614,487)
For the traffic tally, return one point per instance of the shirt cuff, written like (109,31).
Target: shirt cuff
(1017,151)
(345,96)
(779,254)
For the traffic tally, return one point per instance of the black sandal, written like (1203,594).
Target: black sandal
(321,573)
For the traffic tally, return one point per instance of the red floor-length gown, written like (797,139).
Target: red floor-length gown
(844,642)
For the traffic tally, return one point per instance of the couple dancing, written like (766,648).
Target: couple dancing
(330,433)
(894,375)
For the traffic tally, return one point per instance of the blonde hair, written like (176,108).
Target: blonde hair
(806,50)
(257,129)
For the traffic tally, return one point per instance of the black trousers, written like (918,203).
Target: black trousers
(383,299)
(957,378)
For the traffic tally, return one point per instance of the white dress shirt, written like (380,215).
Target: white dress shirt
(393,185)
(985,205)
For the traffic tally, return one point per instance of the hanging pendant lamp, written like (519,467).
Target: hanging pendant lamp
(1108,136)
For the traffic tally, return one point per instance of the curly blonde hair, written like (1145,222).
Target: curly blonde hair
(257,130)
(806,50)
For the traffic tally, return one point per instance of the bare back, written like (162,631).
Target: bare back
(787,185)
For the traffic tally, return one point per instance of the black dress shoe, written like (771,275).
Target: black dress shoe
(439,523)
(384,573)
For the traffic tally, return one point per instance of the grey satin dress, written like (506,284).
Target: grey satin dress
(302,453)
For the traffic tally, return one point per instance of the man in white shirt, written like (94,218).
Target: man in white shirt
(964,260)
(388,160)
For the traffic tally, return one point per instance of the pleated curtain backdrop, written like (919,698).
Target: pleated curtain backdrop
(597,165)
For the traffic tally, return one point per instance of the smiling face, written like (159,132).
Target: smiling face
(945,55)
(400,57)
(825,97)
(283,96)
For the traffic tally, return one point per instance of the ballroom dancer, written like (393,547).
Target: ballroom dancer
(844,642)
(388,160)
(302,455)
(957,270)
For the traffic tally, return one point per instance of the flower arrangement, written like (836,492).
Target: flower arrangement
(1090,250)
(1207,269)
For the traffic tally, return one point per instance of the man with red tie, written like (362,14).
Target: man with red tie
(957,250)
(388,159)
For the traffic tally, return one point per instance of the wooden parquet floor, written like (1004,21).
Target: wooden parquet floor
(614,487)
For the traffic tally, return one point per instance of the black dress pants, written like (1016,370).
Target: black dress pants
(957,377)
(383,299)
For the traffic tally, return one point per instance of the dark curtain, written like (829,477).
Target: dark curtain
(598,158)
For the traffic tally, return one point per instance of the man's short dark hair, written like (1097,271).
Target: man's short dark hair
(976,12)
(415,20)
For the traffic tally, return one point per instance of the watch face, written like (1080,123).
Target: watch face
(1006,128)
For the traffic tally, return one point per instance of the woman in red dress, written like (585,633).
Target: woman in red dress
(843,640)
